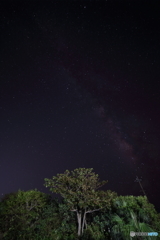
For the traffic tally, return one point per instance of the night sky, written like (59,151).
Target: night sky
(80,87)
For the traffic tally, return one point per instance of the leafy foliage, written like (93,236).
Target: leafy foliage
(128,213)
(79,188)
(130,206)
(34,215)
(20,212)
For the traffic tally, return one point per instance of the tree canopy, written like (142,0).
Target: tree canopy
(20,211)
(35,215)
(80,189)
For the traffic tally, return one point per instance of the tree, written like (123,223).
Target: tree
(128,213)
(48,221)
(56,222)
(19,213)
(139,210)
(79,189)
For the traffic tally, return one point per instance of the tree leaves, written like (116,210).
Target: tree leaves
(78,186)
(20,211)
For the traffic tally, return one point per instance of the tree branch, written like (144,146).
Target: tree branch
(74,210)
(94,210)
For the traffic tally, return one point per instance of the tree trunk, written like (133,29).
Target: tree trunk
(79,218)
(84,220)
(83,223)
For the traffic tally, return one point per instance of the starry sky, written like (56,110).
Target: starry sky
(79,87)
